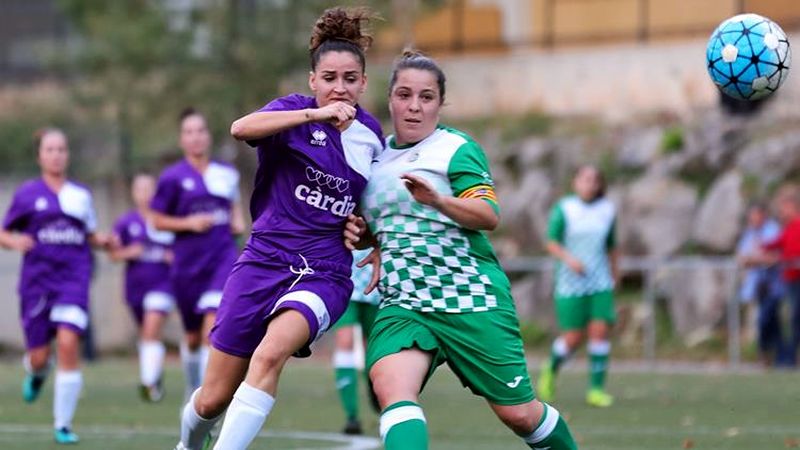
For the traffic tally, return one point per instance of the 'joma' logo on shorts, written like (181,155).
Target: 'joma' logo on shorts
(515,383)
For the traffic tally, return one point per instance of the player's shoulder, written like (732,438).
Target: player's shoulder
(175,172)
(368,120)
(129,216)
(290,102)
(455,136)
(32,185)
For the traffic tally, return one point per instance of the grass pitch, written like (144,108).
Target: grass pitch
(653,411)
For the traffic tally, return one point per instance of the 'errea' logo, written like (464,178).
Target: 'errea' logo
(318,138)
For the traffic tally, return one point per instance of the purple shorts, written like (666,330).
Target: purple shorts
(41,315)
(198,294)
(157,300)
(262,285)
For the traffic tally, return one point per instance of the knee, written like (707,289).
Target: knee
(389,390)
(267,362)
(521,421)
(209,404)
(193,341)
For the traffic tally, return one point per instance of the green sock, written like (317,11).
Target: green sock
(551,433)
(559,353)
(347,385)
(598,363)
(403,427)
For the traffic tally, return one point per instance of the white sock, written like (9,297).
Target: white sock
(67,391)
(151,361)
(191,368)
(193,427)
(245,417)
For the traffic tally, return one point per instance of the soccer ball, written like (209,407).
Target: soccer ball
(748,57)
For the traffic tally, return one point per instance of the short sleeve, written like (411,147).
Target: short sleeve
(121,231)
(91,217)
(17,216)
(292,102)
(469,175)
(165,200)
(556,224)
(611,239)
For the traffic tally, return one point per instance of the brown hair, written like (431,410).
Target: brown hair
(38,136)
(601,179)
(414,59)
(188,112)
(340,30)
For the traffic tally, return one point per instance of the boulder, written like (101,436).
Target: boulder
(640,148)
(656,216)
(770,160)
(524,209)
(718,221)
(533,297)
(696,298)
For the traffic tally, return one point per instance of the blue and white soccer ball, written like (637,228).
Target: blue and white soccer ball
(748,57)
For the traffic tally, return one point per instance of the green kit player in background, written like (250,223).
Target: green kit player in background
(444,297)
(581,236)
(361,311)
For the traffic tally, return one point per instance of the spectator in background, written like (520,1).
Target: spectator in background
(786,249)
(762,284)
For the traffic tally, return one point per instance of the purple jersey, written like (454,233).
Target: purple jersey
(150,271)
(60,223)
(183,191)
(309,178)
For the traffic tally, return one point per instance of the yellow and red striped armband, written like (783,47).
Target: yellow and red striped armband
(481,191)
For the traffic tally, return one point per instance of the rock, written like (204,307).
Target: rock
(533,297)
(696,296)
(640,148)
(533,152)
(718,221)
(524,209)
(657,215)
(772,159)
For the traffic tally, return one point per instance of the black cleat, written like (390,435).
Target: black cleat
(353,426)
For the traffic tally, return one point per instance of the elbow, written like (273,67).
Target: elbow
(492,223)
(238,130)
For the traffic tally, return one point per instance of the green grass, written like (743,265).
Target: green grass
(653,411)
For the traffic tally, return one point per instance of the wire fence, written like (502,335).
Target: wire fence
(649,268)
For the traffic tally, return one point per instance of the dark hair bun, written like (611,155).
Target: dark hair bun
(410,53)
(342,24)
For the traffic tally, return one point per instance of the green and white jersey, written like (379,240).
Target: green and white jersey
(586,231)
(361,277)
(430,263)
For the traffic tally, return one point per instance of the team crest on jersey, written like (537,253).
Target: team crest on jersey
(318,138)
(188,184)
(135,229)
(40,204)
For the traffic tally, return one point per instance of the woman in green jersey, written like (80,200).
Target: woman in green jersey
(581,237)
(444,297)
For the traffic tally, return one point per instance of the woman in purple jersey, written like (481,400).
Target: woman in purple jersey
(147,254)
(52,222)
(292,281)
(197,198)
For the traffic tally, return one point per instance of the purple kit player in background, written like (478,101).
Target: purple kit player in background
(147,253)
(292,282)
(197,198)
(52,222)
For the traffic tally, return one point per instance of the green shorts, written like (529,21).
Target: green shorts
(484,349)
(358,313)
(575,313)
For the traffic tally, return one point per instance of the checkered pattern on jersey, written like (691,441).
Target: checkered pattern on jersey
(425,257)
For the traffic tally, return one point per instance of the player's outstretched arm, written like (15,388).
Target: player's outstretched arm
(261,124)
(196,223)
(556,250)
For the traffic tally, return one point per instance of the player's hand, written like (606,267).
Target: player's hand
(373,258)
(135,250)
(575,265)
(336,113)
(104,241)
(354,230)
(21,242)
(200,223)
(169,256)
(422,190)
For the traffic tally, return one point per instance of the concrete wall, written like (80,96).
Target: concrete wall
(615,82)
